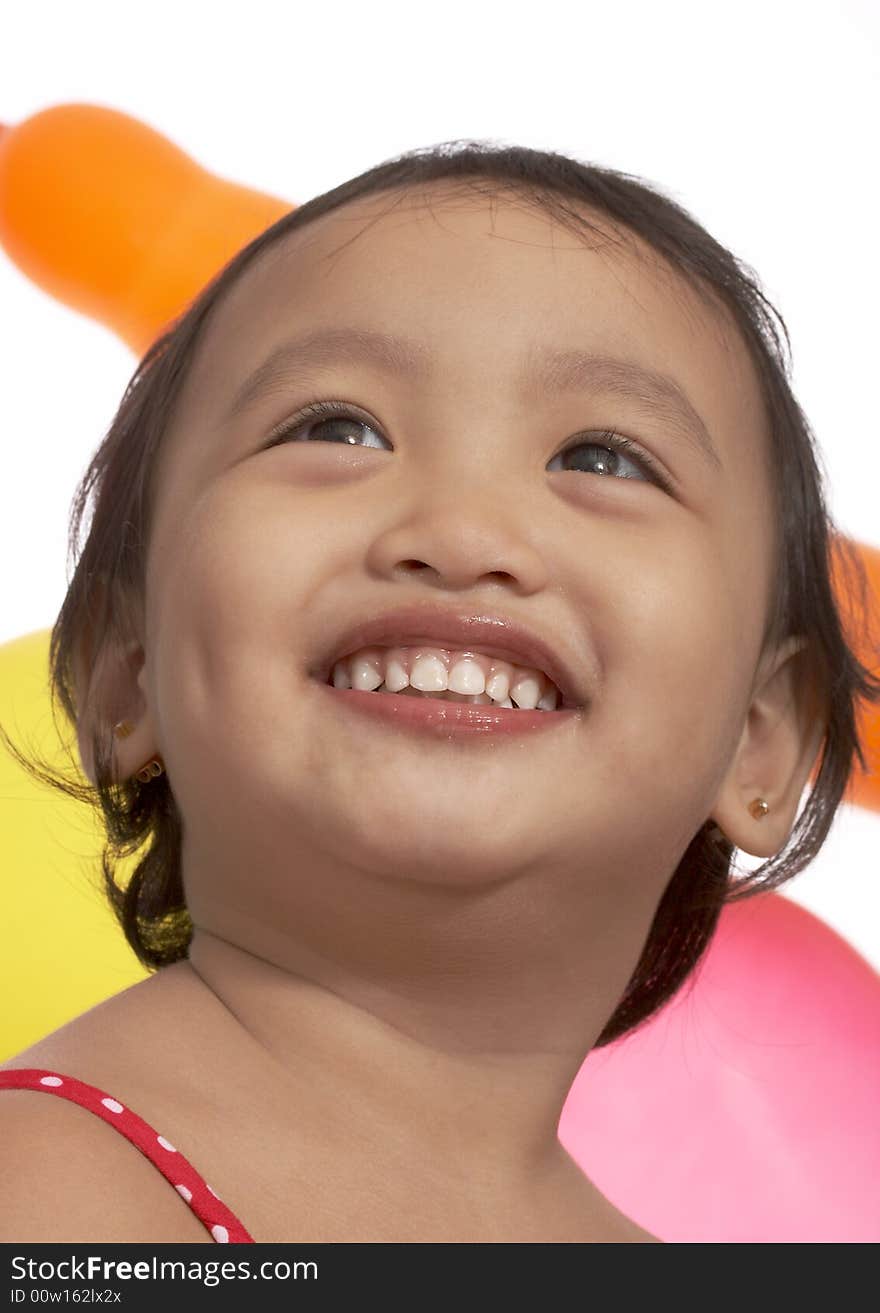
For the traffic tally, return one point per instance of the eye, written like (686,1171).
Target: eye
(617,445)
(336,422)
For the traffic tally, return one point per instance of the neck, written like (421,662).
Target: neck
(465,1072)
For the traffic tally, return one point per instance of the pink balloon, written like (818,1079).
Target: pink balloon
(749,1109)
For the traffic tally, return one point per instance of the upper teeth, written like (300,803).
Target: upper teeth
(437,670)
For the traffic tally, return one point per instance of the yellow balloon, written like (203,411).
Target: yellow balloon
(62,950)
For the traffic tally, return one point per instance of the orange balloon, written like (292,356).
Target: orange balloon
(110,217)
(863,635)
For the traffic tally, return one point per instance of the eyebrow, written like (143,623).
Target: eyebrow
(547,371)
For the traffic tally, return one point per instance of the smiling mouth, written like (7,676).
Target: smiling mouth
(467,677)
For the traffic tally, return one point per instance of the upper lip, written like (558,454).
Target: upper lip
(430,625)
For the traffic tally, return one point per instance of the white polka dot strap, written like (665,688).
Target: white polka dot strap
(219,1220)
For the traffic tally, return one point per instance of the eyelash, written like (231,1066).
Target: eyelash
(318,410)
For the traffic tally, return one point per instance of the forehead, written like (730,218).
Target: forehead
(457,271)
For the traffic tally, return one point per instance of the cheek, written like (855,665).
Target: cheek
(226,646)
(675,668)
(232,573)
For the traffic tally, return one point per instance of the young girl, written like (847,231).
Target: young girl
(456,598)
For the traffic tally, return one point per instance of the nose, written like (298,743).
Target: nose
(459,533)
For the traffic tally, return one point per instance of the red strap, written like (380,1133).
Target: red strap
(219,1220)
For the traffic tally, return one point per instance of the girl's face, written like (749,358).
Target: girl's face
(455,492)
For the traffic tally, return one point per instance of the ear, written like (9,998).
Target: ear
(784,728)
(108,667)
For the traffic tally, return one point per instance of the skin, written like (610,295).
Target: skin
(413,944)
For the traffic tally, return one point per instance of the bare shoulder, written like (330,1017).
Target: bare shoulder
(65,1174)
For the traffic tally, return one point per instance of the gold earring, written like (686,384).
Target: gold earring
(758,807)
(151,769)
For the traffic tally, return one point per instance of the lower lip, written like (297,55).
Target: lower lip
(445,718)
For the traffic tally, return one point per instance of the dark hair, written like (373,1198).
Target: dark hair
(111,567)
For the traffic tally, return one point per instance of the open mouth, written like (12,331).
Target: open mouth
(438,674)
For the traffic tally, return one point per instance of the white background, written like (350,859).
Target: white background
(761,118)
